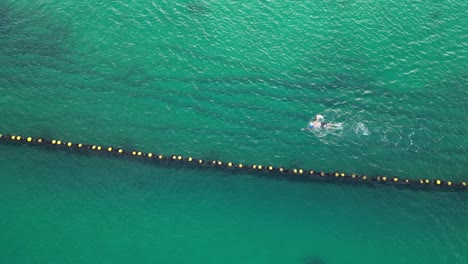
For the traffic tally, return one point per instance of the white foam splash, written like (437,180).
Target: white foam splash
(361,129)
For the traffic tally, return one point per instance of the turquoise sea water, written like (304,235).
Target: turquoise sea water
(234,81)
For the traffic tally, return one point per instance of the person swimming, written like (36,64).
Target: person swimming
(318,123)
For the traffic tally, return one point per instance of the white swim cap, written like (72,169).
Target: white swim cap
(320,117)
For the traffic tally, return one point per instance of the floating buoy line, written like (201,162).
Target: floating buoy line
(291,174)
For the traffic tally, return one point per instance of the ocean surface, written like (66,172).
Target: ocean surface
(233,81)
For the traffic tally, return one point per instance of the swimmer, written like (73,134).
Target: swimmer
(318,123)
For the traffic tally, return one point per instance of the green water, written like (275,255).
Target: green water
(234,81)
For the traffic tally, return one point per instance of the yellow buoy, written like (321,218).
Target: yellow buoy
(80,145)
(322,174)
(29,139)
(395,179)
(160,157)
(13,137)
(384,178)
(139,153)
(364,178)
(342,175)
(220,163)
(120,151)
(109,149)
(99,147)
(260,167)
(281,169)
(150,155)
(39,140)
(463,184)
(426,181)
(54,141)
(449,183)
(240,165)
(190,159)
(200,161)
(69,144)
(294,170)
(311,172)
(133,153)
(270,168)
(301,171)
(179,157)
(229,164)
(59,142)
(438,182)
(337,174)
